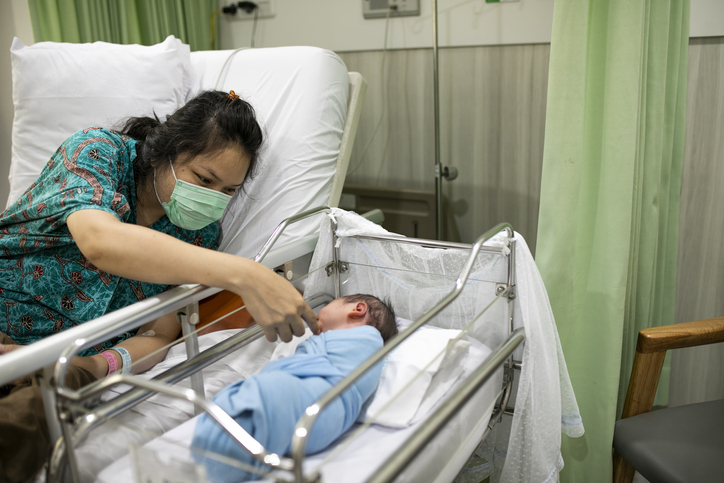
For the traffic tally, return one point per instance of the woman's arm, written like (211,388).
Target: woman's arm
(139,253)
(153,338)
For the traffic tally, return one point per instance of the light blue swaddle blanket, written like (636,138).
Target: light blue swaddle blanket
(268,404)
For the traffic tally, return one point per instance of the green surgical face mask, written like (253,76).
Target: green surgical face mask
(192,207)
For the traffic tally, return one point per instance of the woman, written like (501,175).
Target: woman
(115,218)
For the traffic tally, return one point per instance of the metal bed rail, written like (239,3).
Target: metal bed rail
(50,350)
(37,355)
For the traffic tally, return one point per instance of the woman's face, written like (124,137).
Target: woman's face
(223,171)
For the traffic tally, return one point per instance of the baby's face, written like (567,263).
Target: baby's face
(334,315)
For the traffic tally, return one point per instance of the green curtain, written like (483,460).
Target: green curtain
(144,22)
(608,224)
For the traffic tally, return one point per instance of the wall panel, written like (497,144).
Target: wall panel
(492,116)
(698,373)
(394,144)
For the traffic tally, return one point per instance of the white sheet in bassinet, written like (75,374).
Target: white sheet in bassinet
(161,413)
(441,460)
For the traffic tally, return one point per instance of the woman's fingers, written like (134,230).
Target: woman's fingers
(310,317)
(269,331)
(277,306)
(298,327)
(285,332)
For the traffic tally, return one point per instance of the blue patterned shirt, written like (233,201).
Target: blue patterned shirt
(46,284)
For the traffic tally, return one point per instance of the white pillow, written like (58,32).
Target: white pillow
(60,88)
(300,96)
(422,369)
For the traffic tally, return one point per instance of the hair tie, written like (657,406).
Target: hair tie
(232,95)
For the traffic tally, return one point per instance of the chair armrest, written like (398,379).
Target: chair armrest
(651,348)
(678,336)
(649,359)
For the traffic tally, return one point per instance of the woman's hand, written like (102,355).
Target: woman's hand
(275,304)
(142,254)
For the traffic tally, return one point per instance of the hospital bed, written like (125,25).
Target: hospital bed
(487,293)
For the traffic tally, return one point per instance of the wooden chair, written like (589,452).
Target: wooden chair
(683,443)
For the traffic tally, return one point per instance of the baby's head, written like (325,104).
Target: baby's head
(357,310)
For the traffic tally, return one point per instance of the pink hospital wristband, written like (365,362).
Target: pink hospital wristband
(112,362)
(125,359)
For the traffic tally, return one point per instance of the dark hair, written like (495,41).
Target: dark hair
(381,314)
(211,121)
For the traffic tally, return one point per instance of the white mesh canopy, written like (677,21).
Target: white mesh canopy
(415,278)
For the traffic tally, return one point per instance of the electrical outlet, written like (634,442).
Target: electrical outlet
(266,10)
(399,8)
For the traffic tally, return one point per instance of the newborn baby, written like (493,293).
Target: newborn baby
(268,404)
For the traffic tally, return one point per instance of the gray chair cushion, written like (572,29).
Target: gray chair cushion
(675,445)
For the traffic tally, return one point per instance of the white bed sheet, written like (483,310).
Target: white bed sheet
(440,461)
(161,413)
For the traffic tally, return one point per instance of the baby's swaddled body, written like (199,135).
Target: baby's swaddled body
(268,404)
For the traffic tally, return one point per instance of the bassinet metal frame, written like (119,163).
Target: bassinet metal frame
(72,419)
